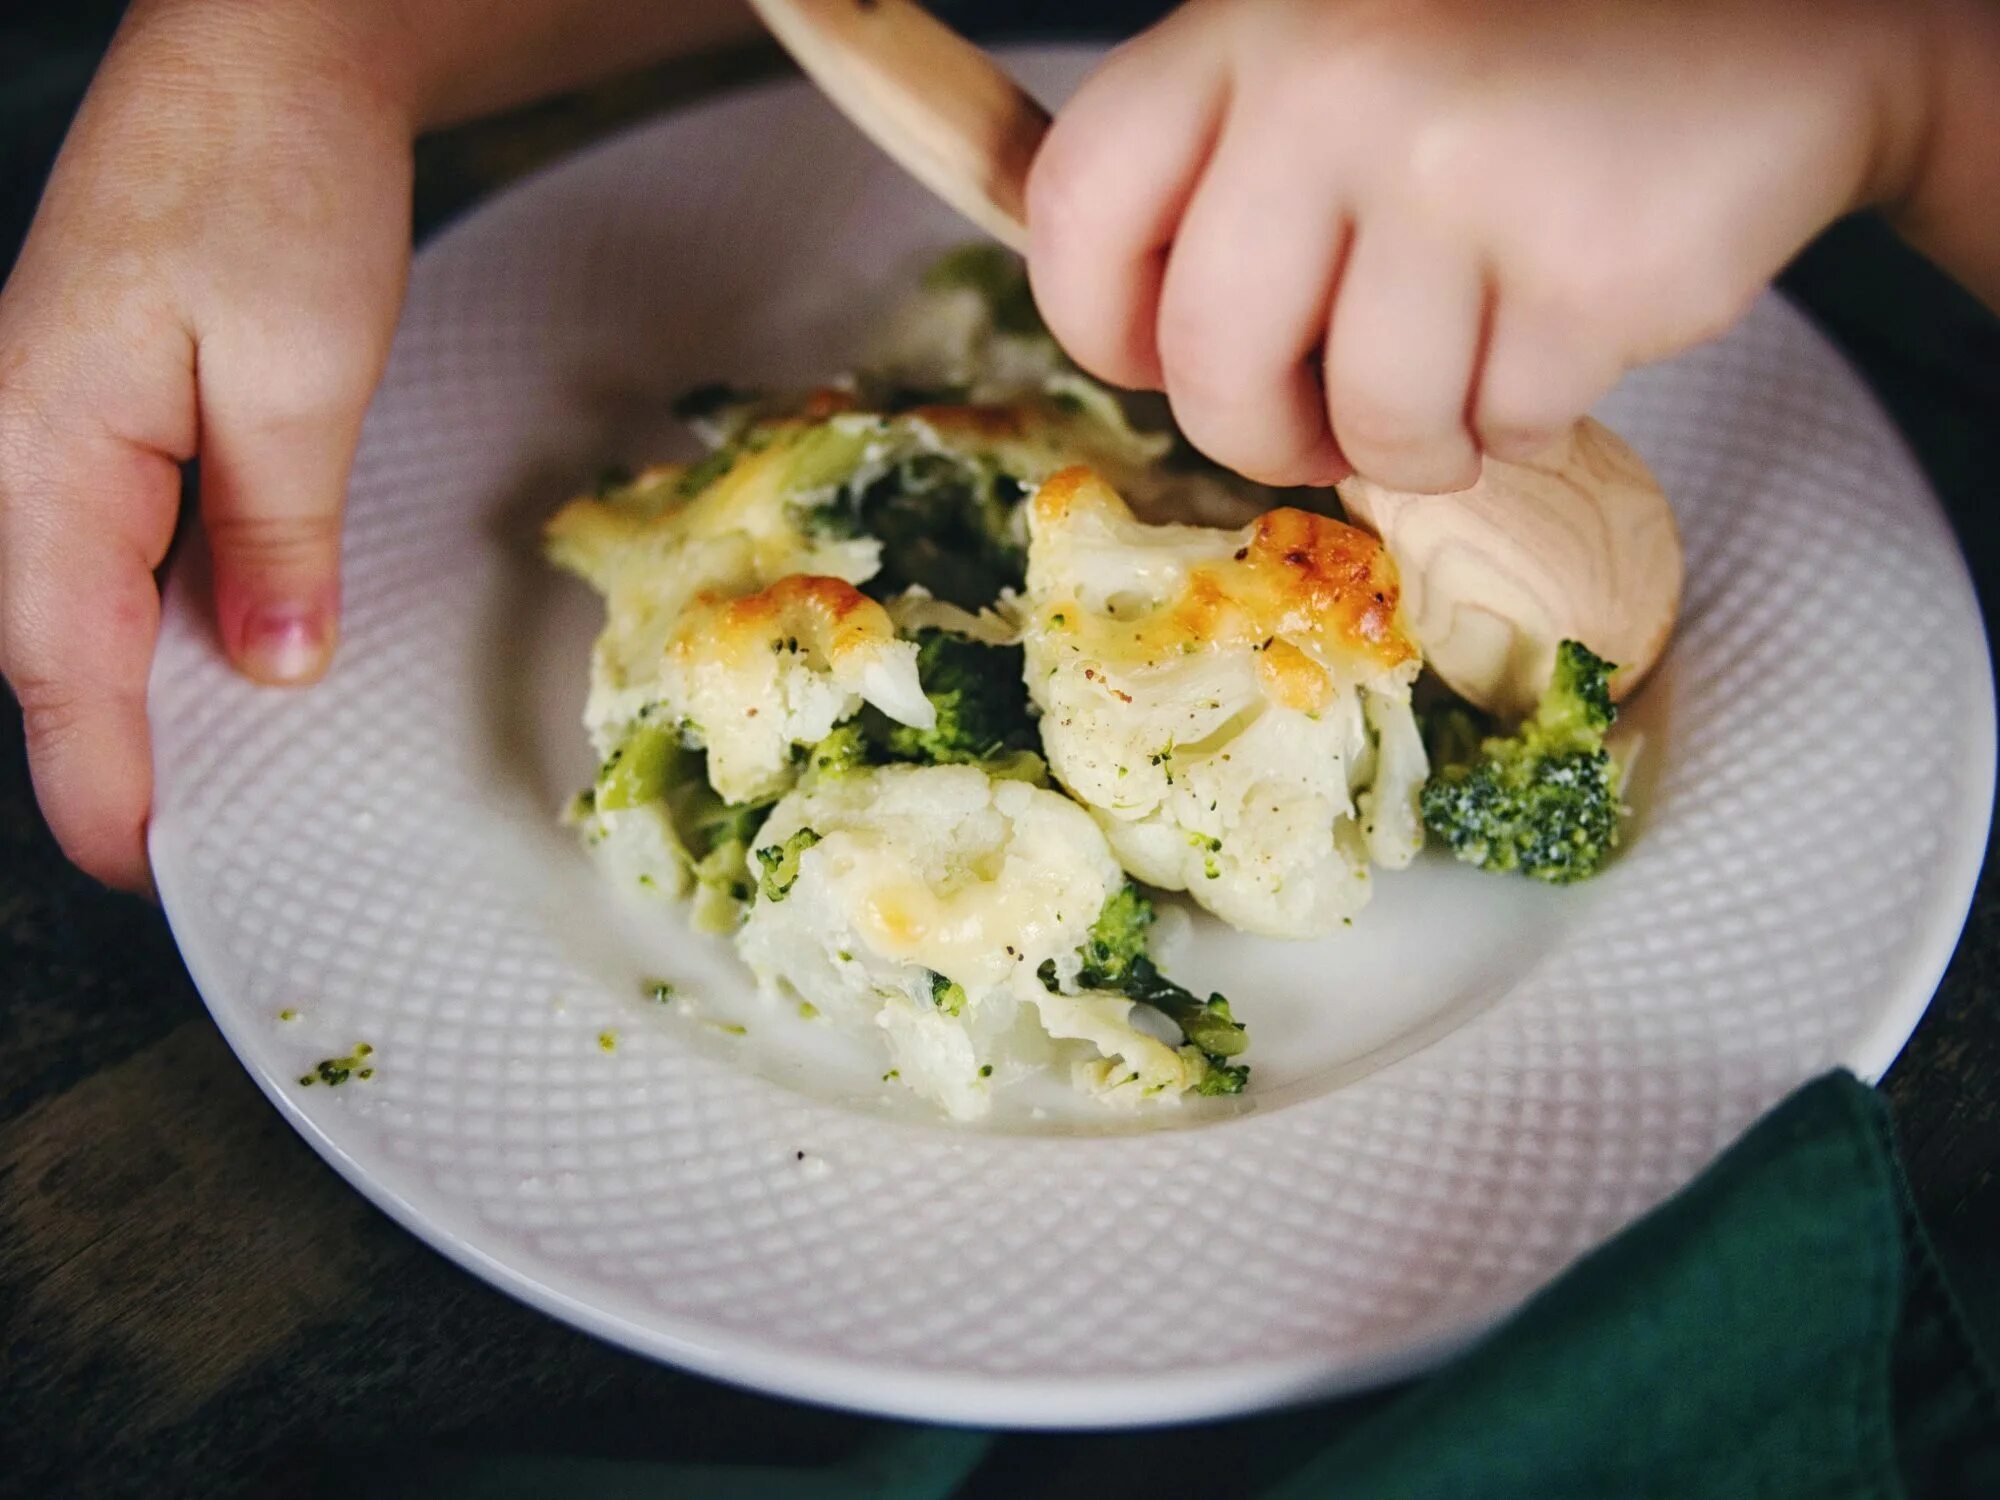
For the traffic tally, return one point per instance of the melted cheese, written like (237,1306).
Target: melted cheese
(996,917)
(1203,692)
(755,675)
(942,868)
(660,557)
(638,535)
(828,619)
(921,871)
(1316,596)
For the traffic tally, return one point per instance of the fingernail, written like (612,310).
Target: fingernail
(283,644)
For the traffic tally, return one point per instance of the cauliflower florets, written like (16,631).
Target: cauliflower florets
(830,495)
(721,529)
(927,900)
(754,676)
(1130,1065)
(1233,706)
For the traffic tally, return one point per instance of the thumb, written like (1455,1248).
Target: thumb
(278,431)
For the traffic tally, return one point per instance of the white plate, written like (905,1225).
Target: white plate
(1483,1081)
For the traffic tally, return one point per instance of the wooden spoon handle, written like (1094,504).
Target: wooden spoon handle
(937,104)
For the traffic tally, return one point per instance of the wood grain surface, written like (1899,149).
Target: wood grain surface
(1578,544)
(192,1303)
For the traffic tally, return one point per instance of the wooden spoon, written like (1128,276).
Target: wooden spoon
(937,104)
(1579,544)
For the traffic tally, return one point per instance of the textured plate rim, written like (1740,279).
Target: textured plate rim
(880,1388)
(866,1387)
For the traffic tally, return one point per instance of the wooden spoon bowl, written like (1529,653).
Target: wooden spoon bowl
(1578,545)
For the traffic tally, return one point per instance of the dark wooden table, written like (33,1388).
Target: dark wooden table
(193,1303)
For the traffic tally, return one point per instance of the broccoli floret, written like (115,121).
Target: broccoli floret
(982,710)
(1118,938)
(947,994)
(645,765)
(716,835)
(947,523)
(654,765)
(950,522)
(1115,958)
(781,863)
(1543,800)
(843,751)
(1222,1078)
(1577,702)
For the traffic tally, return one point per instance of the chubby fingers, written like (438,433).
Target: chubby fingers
(289,356)
(1402,352)
(1186,239)
(1106,195)
(1243,313)
(91,440)
(85,518)
(278,432)
(1196,228)
(1540,376)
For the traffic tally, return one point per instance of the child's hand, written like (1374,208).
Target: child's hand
(216,267)
(1394,233)
(215,270)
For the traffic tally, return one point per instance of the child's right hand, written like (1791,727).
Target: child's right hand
(1393,234)
(216,267)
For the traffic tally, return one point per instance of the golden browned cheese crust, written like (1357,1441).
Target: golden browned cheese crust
(1306,590)
(824,615)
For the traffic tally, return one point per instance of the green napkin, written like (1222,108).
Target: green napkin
(1779,1329)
